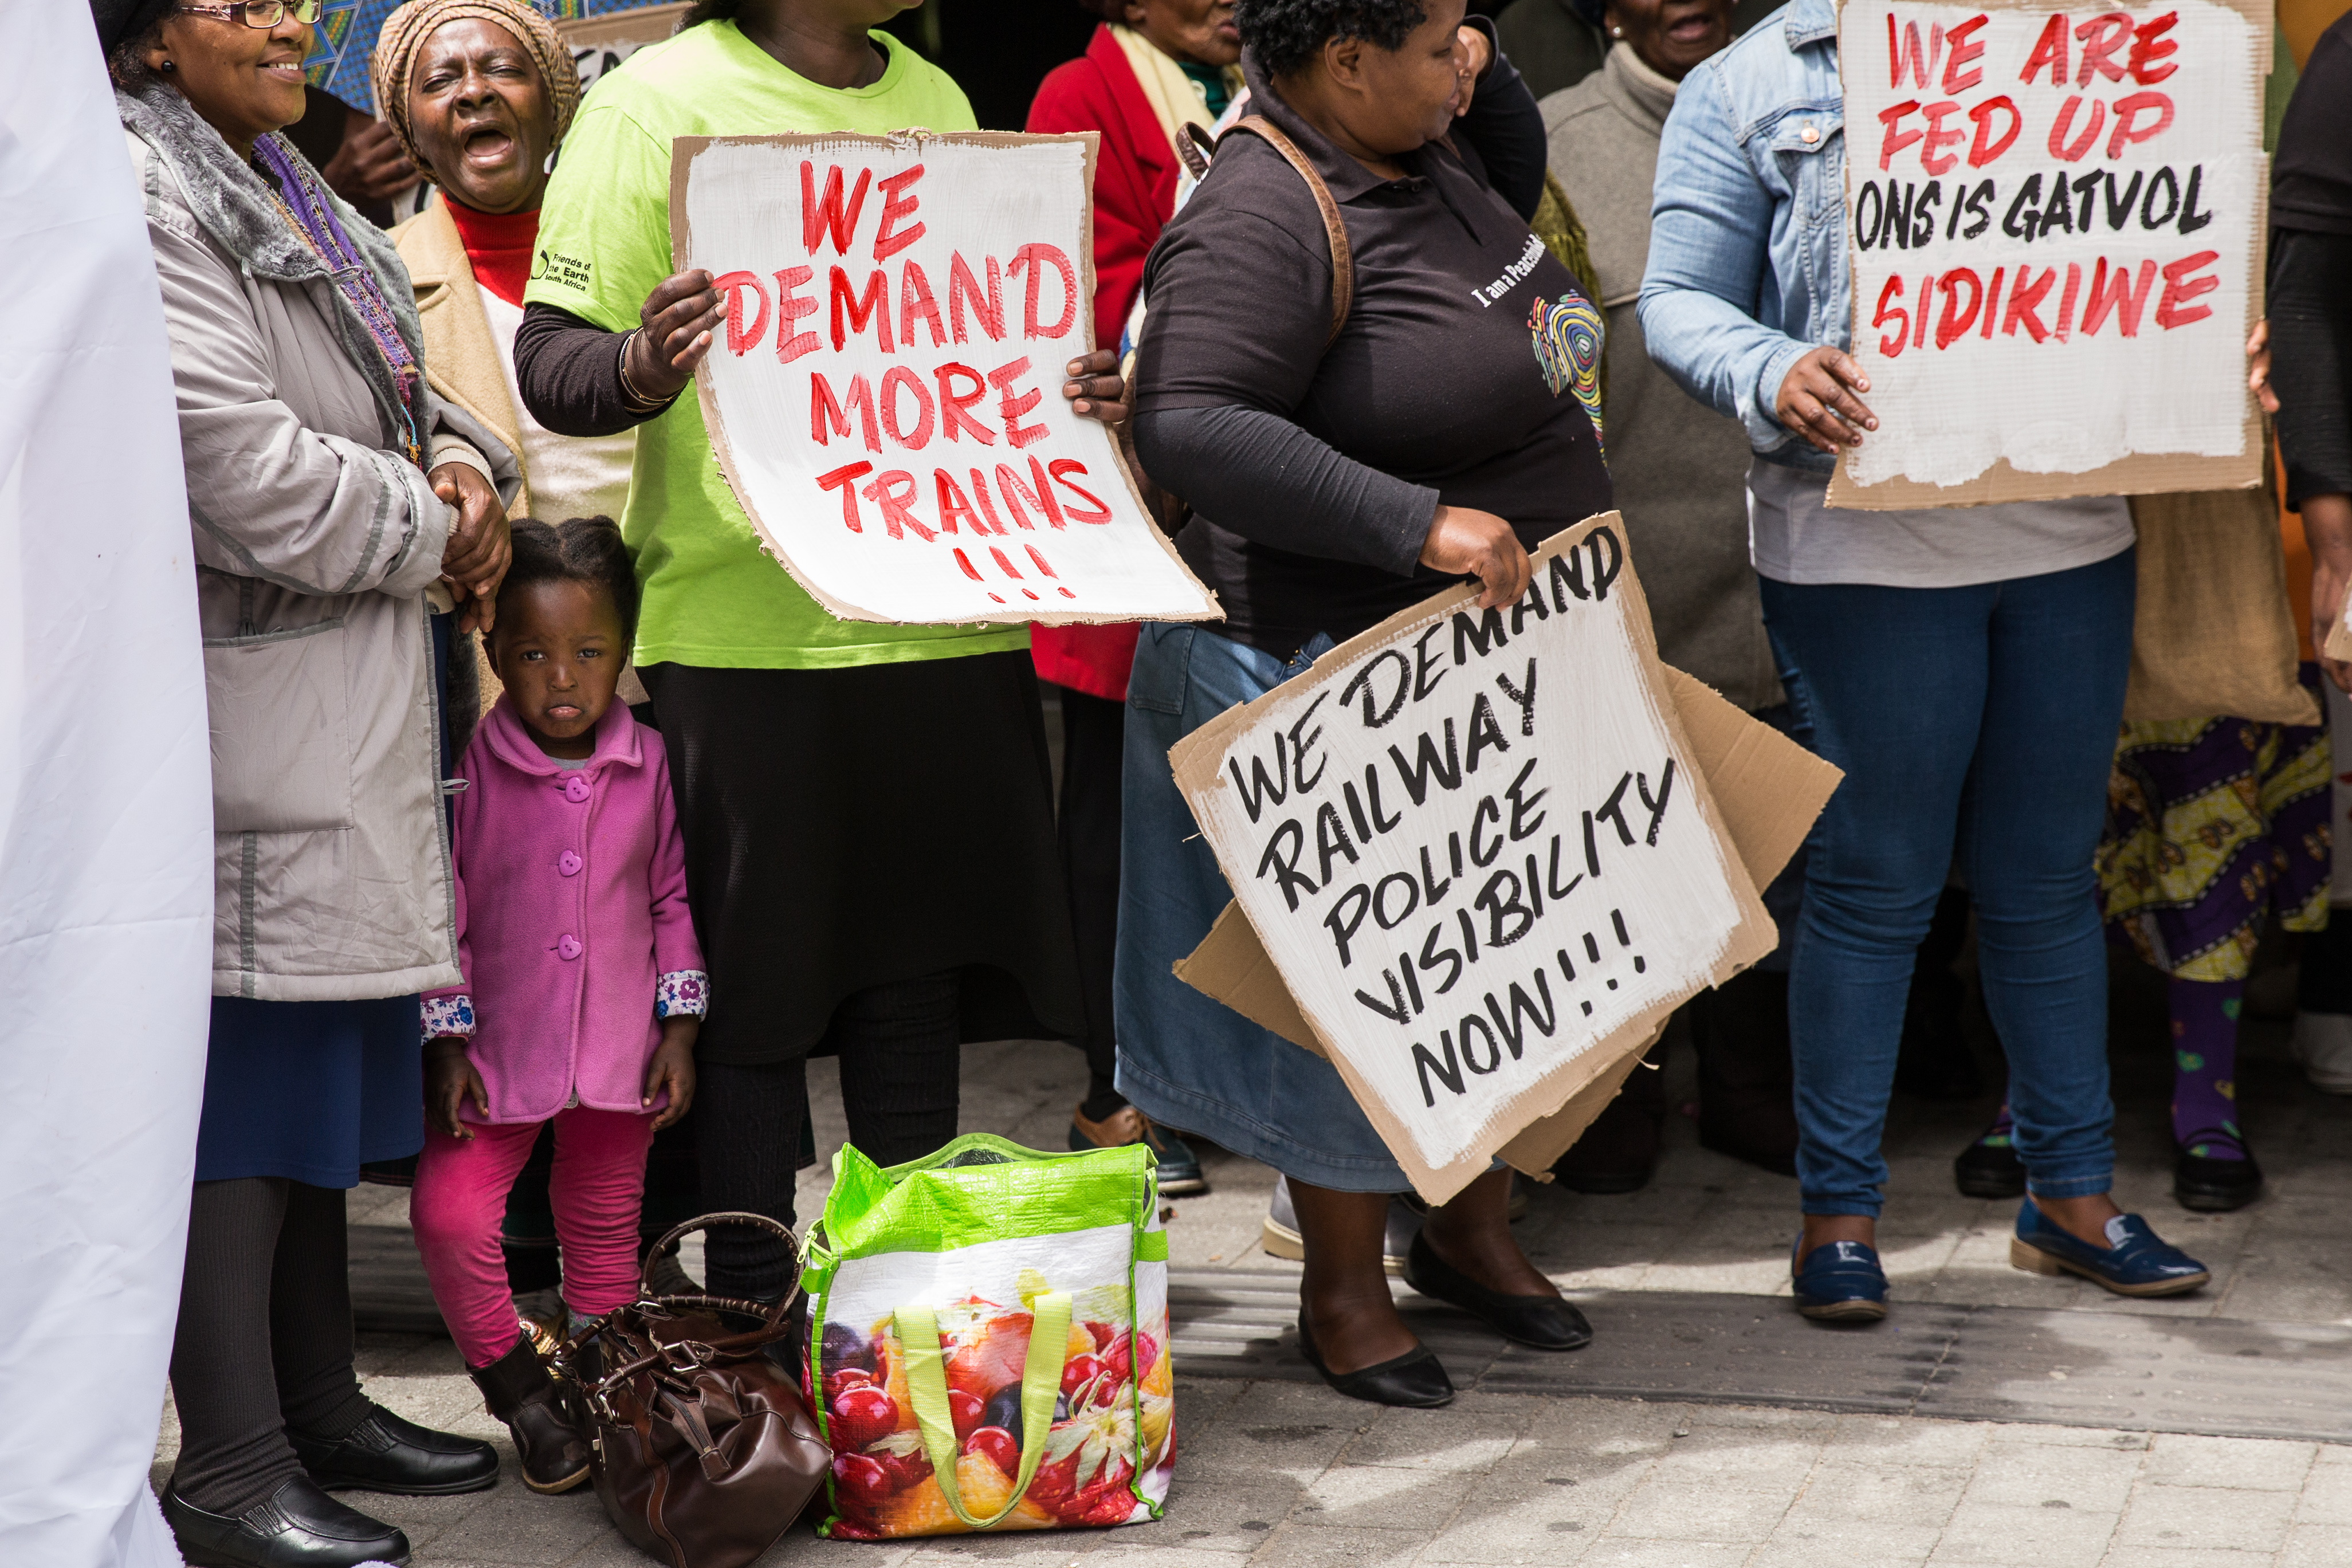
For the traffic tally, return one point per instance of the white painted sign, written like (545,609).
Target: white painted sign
(884,396)
(1476,846)
(2056,223)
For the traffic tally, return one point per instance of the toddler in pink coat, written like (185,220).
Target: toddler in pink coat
(583,982)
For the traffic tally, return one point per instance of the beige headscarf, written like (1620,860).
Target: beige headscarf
(405,30)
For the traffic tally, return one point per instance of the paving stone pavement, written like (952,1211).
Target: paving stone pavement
(1287,1473)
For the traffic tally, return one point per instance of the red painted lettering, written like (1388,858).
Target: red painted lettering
(2114,291)
(1954,323)
(888,240)
(872,304)
(1041,496)
(732,285)
(1894,140)
(1961,42)
(1093,511)
(989,308)
(913,440)
(1892,344)
(891,491)
(1985,148)
(1037,259)
(791,307)
(820,218)
(952,506)
(987,505)
(2150,47)
(844,479)
(1925,309)
(1010,405)
(2022,299)
(828,418)
(2060,148)
(1932,156)
(2101,37)
(964,561)
(1992,302)
(2180,288)
(1903,53)
(2127,112)
(914,304)
(955,419)
(2066,300)
(2049,50)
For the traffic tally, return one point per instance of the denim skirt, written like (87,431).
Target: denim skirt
(1185,1060)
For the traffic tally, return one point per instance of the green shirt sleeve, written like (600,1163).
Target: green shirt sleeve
(603,229)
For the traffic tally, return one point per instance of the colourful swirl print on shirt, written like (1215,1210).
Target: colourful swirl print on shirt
(1568,333)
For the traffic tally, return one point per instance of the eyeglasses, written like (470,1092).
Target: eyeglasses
(259,15)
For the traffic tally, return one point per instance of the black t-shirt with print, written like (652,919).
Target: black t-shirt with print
(1466,368)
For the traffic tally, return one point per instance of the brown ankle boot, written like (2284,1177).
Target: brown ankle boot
(548,1434)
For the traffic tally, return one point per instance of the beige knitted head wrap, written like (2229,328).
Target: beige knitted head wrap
(405,30)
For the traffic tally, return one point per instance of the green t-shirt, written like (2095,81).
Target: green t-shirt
(712,596)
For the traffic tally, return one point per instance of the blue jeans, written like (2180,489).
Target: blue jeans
(1981,720)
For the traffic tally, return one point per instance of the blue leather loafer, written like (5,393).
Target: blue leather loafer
(1838,1282)
(2139,1264)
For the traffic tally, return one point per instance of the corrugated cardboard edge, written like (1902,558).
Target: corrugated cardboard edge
(1540,1111)
(683,152)
(2141,474)
(1769,790)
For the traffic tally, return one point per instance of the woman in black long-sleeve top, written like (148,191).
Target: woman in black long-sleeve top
(1442,431)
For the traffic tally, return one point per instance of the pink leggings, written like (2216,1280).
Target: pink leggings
(460,1201)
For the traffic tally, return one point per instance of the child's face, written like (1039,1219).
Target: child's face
(558,647)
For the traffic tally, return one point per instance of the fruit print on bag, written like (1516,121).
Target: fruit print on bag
(1113,1416)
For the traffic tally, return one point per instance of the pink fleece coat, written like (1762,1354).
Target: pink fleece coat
(571,904)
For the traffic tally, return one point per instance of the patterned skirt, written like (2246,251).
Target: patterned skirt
(2211,825)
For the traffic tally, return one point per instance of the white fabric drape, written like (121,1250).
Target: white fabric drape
(105,821)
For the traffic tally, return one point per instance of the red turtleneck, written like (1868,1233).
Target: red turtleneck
(499,244)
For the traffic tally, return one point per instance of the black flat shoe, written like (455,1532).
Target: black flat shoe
(387,1454)
(2210,1185)
(1541,1322)
(1989,1170)
(1416,1379)
(299,1527)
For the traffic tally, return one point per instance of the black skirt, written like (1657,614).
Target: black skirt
(849,827)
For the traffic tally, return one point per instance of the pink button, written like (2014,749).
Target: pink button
(567,863)
(567,948)
(575,788)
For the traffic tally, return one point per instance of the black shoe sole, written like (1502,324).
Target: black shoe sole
(201,1559)
(453,1490)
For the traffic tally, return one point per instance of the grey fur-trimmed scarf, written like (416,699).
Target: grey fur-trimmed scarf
(233,202)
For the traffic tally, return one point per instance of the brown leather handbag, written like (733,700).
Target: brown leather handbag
(704,1450)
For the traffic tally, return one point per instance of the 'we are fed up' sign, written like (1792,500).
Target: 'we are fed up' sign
(2054,218)
(884,396)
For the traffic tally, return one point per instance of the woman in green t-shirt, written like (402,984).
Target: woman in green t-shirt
(868,809)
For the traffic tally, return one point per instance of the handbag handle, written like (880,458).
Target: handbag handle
(773,1311)
(1040,1385)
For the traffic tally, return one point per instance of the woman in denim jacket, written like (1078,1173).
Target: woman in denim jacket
(1965,667)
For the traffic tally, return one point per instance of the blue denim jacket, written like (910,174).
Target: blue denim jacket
(1748,264)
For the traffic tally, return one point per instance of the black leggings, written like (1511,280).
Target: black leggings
(899,1046)
(263,1343)
(1094,749)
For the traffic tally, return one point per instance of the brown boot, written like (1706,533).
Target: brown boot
(551,1439)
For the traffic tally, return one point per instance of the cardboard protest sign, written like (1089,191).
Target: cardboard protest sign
(1768,789)
(600,42)
(1480,853)
(884,396)
(2055,221)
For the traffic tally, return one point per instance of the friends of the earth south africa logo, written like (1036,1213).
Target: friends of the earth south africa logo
(1568,333)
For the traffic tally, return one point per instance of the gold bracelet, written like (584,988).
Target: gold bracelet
(637,401)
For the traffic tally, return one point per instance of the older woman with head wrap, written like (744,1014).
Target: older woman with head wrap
(330,489)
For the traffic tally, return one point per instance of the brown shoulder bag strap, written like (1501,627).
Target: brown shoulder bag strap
(1343,266)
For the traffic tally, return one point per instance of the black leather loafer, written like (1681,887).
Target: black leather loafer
(387,1454)
(299,1527)
(1539,1322)
(2211,1185)
(1416,1379)
(1989,1170)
